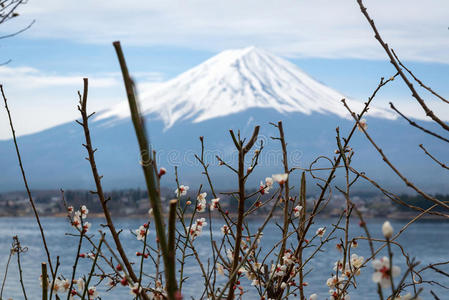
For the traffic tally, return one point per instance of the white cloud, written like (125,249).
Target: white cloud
(412,109)
(334,29)
(39,100)
(32,78)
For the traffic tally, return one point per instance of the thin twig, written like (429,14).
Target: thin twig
(414,124)
(19,250)
(394,62)
(433,158)
(92,269)
(11,252)
(36,214)
(97,178)
(419,81)
(386,160)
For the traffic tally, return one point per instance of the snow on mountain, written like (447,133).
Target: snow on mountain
(236,80)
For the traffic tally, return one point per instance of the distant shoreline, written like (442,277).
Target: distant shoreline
(394,216)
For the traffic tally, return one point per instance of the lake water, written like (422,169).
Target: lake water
(428,242)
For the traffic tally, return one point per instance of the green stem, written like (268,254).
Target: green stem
(148,170)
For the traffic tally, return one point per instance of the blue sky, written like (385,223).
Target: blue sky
(328,39)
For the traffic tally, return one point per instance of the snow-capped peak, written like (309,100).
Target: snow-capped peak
(236,80)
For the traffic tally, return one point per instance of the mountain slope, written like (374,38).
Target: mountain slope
(234,81)
(55,158)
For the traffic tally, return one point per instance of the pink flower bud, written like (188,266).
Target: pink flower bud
(162,172)
(124,282)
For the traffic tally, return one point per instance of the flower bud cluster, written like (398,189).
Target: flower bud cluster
(77,219)
(197,228)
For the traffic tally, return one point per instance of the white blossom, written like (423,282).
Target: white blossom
(382,272)
(320,231)
(357,261)
(255,282)
(201,204)
(335,281)
(214,203)
(263,189)
(280,270)
(92,292)
(76,222)
(407,296)
(201,197)
(280,178)
(362,124)
(339,247)
(111,283)
(84,211)
(201,207)
(65,285)
(57,285)
(259,238)
(230,255)
(141,232)
(259,267)
(338,265)
(225,229)
(220,269)
(250,275)
(338,294)
(135,289)
(297,210)
(387,230)
(288,257)
(80,284)
(197,228)
(86,226)
(181,191)
(266,187)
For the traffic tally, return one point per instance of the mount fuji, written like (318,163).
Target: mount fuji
(234,81)
(235,89)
